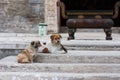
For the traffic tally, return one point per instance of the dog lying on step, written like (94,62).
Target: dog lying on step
(54,46)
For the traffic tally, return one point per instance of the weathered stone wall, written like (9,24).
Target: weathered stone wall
(24,15)
(21,15)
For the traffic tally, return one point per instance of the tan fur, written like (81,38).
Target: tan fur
(28,54)
(24,57)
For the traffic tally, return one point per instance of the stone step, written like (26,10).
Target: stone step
(13,45)
(92,45)
(80,57)
(72,44)
(69,43)
(57,76)
(8,48)
(60,67)
(18,35)
(91,42)
(74,57)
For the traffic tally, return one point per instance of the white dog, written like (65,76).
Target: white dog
(54,46)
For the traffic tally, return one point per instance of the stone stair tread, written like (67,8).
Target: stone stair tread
(58,76)
(96,53)
(72,53)
(82,53)
(60,67)
(75,45)
(90,43)
(64,42)
(74,57)
(13,40)
(21,43)
(58,64)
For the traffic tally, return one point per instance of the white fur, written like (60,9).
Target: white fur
(53,48)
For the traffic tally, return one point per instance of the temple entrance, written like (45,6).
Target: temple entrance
(87,8)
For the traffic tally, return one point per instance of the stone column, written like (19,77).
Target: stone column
(51,15)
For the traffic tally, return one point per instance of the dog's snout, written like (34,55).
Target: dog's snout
(58,41)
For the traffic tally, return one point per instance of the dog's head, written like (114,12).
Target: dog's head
(55,38)
(35,44)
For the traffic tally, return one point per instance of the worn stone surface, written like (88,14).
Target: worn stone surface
(21,16)
(80,57)
(74,57)
(57,76)
(92,45)
(36,1)
(51,15)
(50,67)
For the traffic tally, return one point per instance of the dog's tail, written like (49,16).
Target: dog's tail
(62,47)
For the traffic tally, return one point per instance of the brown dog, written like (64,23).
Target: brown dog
(28,54)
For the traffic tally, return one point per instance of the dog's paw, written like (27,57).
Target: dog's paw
(45,50)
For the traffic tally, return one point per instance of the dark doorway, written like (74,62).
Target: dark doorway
(89,4)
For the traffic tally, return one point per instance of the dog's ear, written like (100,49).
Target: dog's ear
(51,37)
(38,42)
(60,36)
(33,42)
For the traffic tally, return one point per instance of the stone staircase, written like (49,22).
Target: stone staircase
(85,60)
(75,65)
